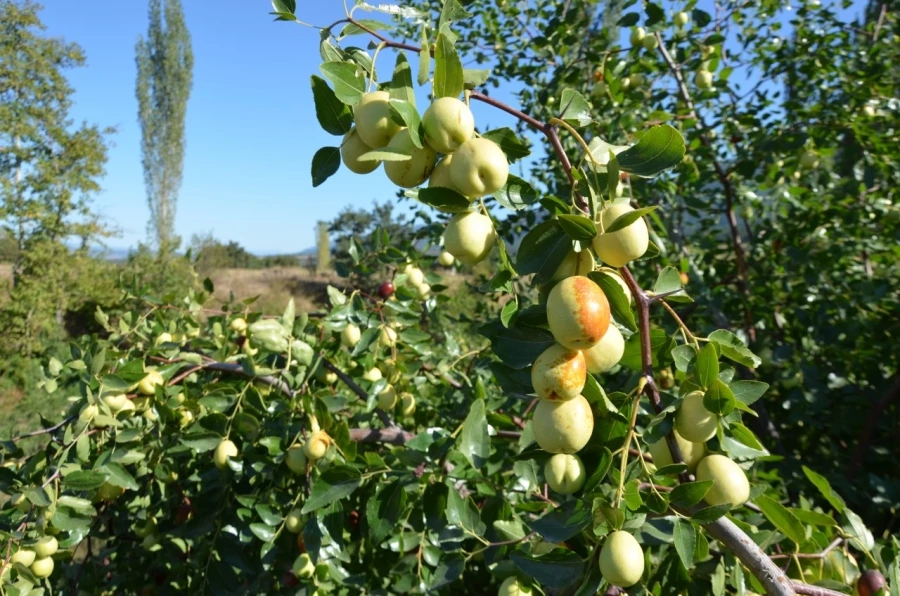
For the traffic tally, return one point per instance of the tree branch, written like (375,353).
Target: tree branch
(393,436)
(808,590)
(753,558)
(45,431)
(359,391)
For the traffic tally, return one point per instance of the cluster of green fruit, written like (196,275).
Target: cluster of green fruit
(471,165)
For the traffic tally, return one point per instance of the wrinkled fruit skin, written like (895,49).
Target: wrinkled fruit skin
(692,453)
(386,290)
(870,582)
(559,373)
(575,263)
(373,119)
(693,421)
(622,246)
(606,353)
(470,237)
(512,587)
(440,177)
(621,559)
(414,171)
(577,312)
(224,450)
(565,473)
(563,427)
(350,335)
(351,148)
(479,168)
(730,484)
(703,79)
(296,460)
(448,123)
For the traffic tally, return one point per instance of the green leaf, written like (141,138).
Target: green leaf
(629,19)
(334,484)
(448,570)
(386,154)
(813,518)
(443,199)
(626,219)
(689,494)
(119,476)
(683,356)
(661,148)
(325,163)
(556,569)
(463,513)
(668,280)
(371,24)
(451,11)
(334,116)
(201,442)
(401,86)
(718,399)
(384,509)
(448,71)
(746,437)
(748,392)
(516,194)
(509,309)
(781,518)
(263,532)
(734,349)
(474,442)
(512,146)
(578,227)
(599,468)
(619,304)
(685,535)
(518,346)
(285,6)
(576,109)
(509,530)
(247,425)
(707,366)
(564,522)
(407,113)
(475,77)
(710,514)
(821,483)
(348,80)
(542,251)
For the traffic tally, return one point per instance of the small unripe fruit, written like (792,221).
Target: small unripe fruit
(415,275)
(565,473)
(809,159)
(414,171)
(621,560)
(224,450)
(115,401)
(445,259)
(730,483)
(296,460)
(868,110)
(109,492)
(144,529)
(303,567)
(387,398)
(374,123)
(148,384)
(317,445)
(870,582)
(650,42)
(692,453)
(577,313)
(239,324)
(637,35)
(293,523)
(326,376)
(350,335)
(88,413)
(606,353)
(386,290)
(479,168)
(575,263)
(440,177)
(407,404)
(352,146)
(680,19)
(46,547)
(185,418)
(23,556)
(164,337)
(622,246)
(563,427)
(693,421)
(387,336)
(19,501)
(512,587)
(448,123)
(470,237)
(373,374)
(703,79)
(637,80)
(423,291)
(42,568)
(559,373)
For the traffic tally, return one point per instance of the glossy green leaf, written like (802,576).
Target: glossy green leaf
(325,163)
(474,442)
(689,494)
(658,150)
(514,147)
(347,79)
(781,518)
(443,199)
(516,194)
(334,116)
(542,251)
(334,484)
(553,570)
(821,483)
(577,227)
(707,366)
(626,219)
(576,109)
(448,71)
(685,537)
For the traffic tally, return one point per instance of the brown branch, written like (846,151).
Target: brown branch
(753,558)
(359,391)
(44,431)
(880,22)
(834,544)
(393,436)
(808,590)
(868,431)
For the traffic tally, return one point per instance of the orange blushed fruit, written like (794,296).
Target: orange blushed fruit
(577,313)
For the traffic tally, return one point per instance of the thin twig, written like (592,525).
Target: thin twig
(44,431)
(359,391)
(834,544)
(808,590)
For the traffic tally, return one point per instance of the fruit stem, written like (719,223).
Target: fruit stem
(681,324)
(635,407)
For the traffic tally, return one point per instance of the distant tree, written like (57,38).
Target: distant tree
(165,65)
(48,169)
(323,247)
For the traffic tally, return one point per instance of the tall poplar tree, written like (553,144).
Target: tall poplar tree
(165,64)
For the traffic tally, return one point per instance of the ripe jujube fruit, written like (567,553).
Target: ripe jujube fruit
(385,290)
(470,237)
(575,263)
(415,170)
(352,146)
(730,484)
(559,373)
(606,353)
(374,122)
(565,473)
(870,582)
(577,312)
(563,427)
(448,123)
(693,421)
(622,246)
(479,168)
(621,559)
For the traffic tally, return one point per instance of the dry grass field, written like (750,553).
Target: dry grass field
(275,286)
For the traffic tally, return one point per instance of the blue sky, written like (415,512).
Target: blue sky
(251,126)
